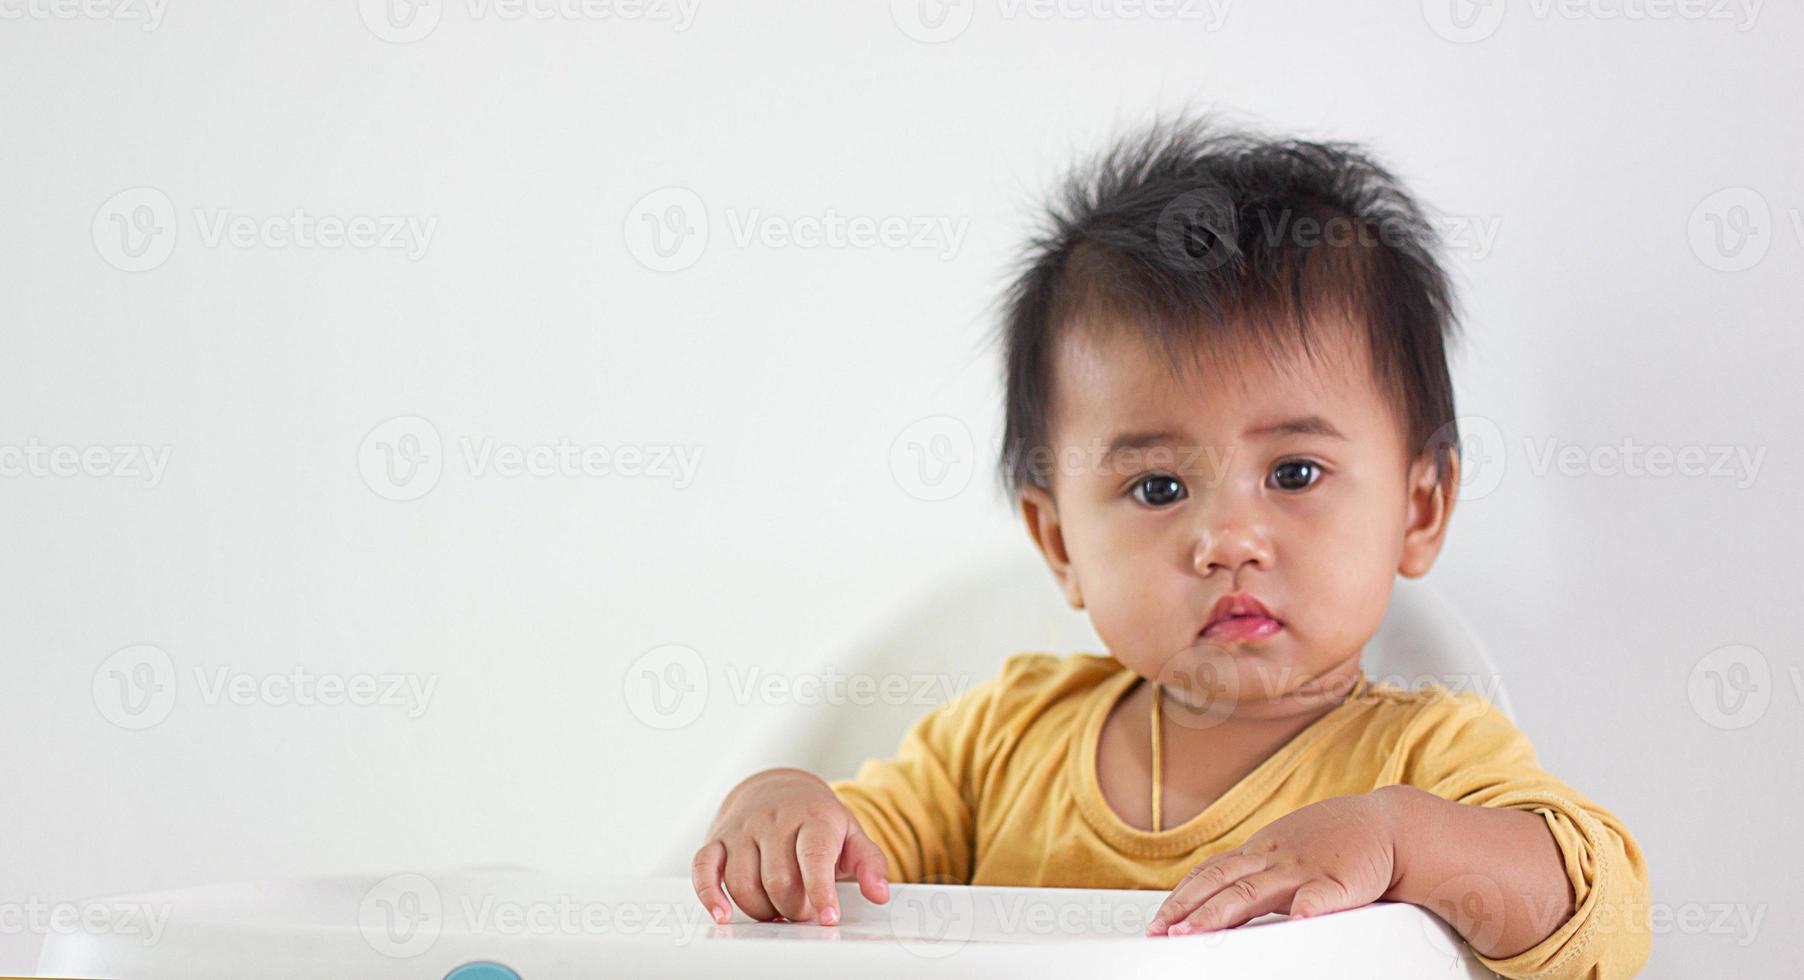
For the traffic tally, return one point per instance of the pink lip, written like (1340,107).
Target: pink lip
(1237,628)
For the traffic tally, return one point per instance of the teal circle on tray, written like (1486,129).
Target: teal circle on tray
(482,971)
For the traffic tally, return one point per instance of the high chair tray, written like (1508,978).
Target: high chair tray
(488,925)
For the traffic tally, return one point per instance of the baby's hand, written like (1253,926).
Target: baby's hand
(1328,856)
(782,838)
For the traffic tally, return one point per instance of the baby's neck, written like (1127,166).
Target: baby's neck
(1221,750)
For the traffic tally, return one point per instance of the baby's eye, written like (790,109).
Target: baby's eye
(1159,491)
(1296,474)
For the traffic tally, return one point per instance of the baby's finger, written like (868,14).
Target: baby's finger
(704,873)
(745,882)
(1201,884)
(862,858)
(1244,899)
(782,879)
(1319,897)
(817,848)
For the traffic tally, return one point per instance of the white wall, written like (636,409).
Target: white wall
(1591,146)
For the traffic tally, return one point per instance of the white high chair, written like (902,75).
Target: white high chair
(445,923)
(961,630)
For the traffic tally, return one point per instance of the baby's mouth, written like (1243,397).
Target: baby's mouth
(1241,628)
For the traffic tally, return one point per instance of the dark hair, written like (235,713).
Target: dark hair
(1186,232)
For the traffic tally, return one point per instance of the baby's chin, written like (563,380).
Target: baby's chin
(1274,676)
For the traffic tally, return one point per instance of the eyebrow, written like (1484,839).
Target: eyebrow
(1304,425)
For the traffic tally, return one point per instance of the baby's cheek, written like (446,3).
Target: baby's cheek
(1346,603)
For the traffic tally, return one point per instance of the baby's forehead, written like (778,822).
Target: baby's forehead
(1119,375)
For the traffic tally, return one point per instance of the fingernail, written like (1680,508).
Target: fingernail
(883,888)
(1179,929)
(829,915)
(1155,927)
(720,914)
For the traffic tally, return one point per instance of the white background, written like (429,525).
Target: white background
(1613,294)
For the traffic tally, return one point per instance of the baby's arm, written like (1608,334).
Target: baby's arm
(1495,875)
(1540,881)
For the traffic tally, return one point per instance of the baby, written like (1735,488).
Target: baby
(1229,427)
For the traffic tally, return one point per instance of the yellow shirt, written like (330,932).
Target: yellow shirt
(998,787)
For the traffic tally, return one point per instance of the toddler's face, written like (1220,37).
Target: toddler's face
(1290,483)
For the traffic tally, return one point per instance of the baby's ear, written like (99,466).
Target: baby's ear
(1430,507)
(1041,513)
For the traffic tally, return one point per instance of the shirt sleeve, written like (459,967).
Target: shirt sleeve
(1465,750)
(920,805)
